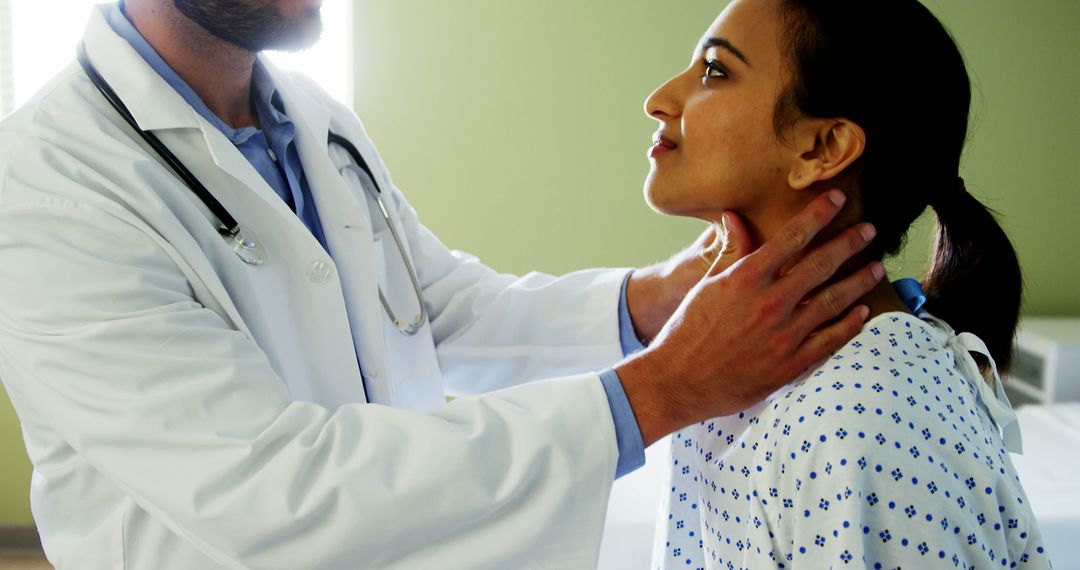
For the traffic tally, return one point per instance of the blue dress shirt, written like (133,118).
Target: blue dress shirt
(627,432)
(271,149)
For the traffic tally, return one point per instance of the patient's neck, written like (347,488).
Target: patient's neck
(883,299)
(767,222)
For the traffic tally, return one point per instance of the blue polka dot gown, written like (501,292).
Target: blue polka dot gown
(882,457)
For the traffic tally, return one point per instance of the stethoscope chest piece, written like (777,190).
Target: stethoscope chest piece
(246,246)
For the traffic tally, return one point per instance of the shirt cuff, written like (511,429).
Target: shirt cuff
(627,337)
(627,432)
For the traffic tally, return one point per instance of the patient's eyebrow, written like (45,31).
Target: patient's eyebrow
(721,42)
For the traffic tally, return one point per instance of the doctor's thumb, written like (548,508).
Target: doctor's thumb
(737,242)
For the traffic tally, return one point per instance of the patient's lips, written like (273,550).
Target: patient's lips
(661,144)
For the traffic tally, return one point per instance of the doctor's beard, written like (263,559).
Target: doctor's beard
(255,25)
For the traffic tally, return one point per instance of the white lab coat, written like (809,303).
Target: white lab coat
(186,410)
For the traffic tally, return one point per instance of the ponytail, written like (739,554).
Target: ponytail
(844,58)
(974,281)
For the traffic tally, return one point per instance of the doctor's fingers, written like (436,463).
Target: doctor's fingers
(730,243)
(833,301)
(829,339)
(821,264)
(737,242)
(795,235)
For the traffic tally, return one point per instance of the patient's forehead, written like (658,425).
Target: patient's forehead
(753,27)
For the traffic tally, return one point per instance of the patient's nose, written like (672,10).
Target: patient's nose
(661,105)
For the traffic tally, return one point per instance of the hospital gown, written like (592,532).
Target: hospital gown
(881,457)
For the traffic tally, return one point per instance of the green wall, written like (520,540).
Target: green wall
(516,130)
(14,469)
(1023,159)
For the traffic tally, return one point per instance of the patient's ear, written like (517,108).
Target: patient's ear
(824,148)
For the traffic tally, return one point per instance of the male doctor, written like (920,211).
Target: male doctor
(185,406)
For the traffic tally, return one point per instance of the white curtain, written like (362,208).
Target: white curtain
(7,77)
(29,58)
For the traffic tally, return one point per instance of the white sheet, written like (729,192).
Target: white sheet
(631,516)
(1050,473)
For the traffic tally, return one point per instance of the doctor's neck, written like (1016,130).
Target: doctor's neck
(219,71)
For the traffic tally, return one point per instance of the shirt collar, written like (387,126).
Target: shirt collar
(269,105)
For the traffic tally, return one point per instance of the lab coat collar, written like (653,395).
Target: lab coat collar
(151,100)
(154,103)
(156,106)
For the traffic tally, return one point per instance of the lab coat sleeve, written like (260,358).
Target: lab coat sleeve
(102,340)
(496,330)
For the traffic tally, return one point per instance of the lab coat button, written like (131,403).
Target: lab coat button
(319,272)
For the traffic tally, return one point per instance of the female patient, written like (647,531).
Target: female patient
(890,454)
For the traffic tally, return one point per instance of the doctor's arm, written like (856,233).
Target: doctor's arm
(102,339)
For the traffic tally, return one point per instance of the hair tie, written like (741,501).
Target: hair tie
(958,191)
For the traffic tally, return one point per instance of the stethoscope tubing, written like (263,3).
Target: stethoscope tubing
(405,327)
(228,226)
(249,250)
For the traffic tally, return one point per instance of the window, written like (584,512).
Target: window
(37,39)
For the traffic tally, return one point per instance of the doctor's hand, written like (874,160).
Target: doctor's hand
(653,293)
(745,330)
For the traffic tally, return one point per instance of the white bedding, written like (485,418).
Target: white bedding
(631,516)
(1050,473)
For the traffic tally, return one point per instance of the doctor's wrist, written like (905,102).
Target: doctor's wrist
(654,293)
(653,397)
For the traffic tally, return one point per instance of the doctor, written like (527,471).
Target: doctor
(244,375)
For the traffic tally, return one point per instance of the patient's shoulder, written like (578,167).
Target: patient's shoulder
(892,389)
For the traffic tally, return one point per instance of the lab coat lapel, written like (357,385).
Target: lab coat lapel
(151,100)
(252,297)
(230,160)
(346,224)
(157,107)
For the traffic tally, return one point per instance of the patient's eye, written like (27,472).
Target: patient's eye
(713,70)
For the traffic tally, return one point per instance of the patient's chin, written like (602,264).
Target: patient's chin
(661,197)
(670,202)
(659,201)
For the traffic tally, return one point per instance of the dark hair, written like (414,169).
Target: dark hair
(893,69)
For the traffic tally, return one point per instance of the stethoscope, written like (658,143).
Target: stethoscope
(242,240)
